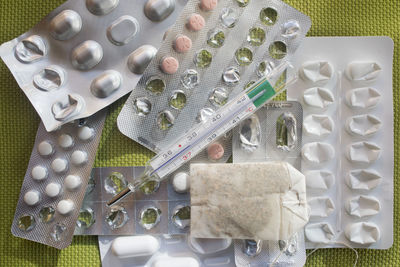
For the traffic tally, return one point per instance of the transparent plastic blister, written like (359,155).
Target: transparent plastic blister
(217,50)
(55,181)
(85,55)
(352,191)
(165,250)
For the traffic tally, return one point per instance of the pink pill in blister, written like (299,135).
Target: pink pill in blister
(169,65)
(182,44)
(208,5)
(215,151)
(195,22)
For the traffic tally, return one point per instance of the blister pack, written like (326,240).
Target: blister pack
(273,133)
(347,153)
(55,181)
(85,55)
(165,250)
(208,57)
(157,208)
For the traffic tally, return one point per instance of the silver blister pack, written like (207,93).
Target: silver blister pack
(85,55)
(55,181)
(165,250)
(208,56)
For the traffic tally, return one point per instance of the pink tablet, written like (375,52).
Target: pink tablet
(169,65)
(195,22)
(215,151)
(182,44)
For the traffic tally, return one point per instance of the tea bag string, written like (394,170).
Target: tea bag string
(339,243)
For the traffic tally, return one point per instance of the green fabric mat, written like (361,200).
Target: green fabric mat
(19,123)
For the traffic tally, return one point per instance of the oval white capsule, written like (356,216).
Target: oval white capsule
(135,246)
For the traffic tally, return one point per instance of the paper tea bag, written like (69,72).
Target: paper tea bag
(261,201)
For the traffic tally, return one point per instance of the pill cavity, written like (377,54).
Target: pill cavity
(32,197)
(203,58)
(79,157)
(319,179)
(101,7)
(363,152)
(72,182)
(181,182)
(317,152)
(175,262)
(277,50)
(59,165)
(219,96)
(150,187)
(318,97)
(321,206)
(182,44)
(316,71)
(362,98)
(85,133)
(139,59)
(195,22)
(45,149)
(290,29)
(244,56)
(256,36)
(66,141)
(122,31)
(363,125)
(208,245)
(363,179)
(65,25)
(216,38)
(106,84)
(286,131)
(86,55)
(86,218)
(242,3)
(208,5)
(30,49)
(190,78)
(319,233)
(251,248)
(135,246)
(117,217)
(250,134)
(264,68)
(50,78)
(149,217)
(362,233)
(53,189)
(39,173)
(361,206)
(46,214)
(65,206)
(67,107)
(114,183)
(59,232)
(165,120)
(169,65)
(318,125)
(204,114)
(215,151)
(159,10)
(142,106)
(155,85)
(181,216)
(363,71)
(268,16)
(228,17)
(231,76)
(177,100)
(26,223)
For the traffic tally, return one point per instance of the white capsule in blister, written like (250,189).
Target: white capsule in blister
(79,157)
(85,133)
(72,182)
(135,246)
(53,189)
(363,125)
(39,173)
(158,10)
(175,262)
(319,233)
(106,83)
(318,97)
(65,141)
(362,233)
(65,25)
(363,152)
(317,152)
(363,179)
(318,125)
(361,206)
(139,59)
(32,197)
(362,97)
(45,149)
(59,165)
(101,7)
(181,182)
(319,72)
(321,206)
(65,206)
(363,71)
(122,31)
(50,78)
(86,55)
(30,49)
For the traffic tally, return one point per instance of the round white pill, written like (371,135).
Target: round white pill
(181,182)
(72,182)
(65,141)
(53,189)
(79,157)
(135,246)
(59,165)
(45,149)
(32,197)
(65,206)
(39,173)
(85,133)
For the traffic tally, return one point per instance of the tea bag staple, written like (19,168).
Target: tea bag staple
(261,201)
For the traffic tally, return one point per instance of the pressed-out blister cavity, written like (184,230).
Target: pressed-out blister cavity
(321,206)
(317,71)
(218,45)
(321,233)
(318,97)
(55,183)
(317,152)
(360,174)
(71,49)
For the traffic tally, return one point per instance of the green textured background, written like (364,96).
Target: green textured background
(18,125)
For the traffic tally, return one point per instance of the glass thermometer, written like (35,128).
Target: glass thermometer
(201,135)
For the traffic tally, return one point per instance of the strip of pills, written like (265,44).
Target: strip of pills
(85,55)
(55,181)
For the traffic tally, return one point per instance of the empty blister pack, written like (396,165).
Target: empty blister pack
(55,181)
(207,58)
(85,55)
(157,208)
(347,154)
(165,250)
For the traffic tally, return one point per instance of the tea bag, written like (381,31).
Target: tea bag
(261,201)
